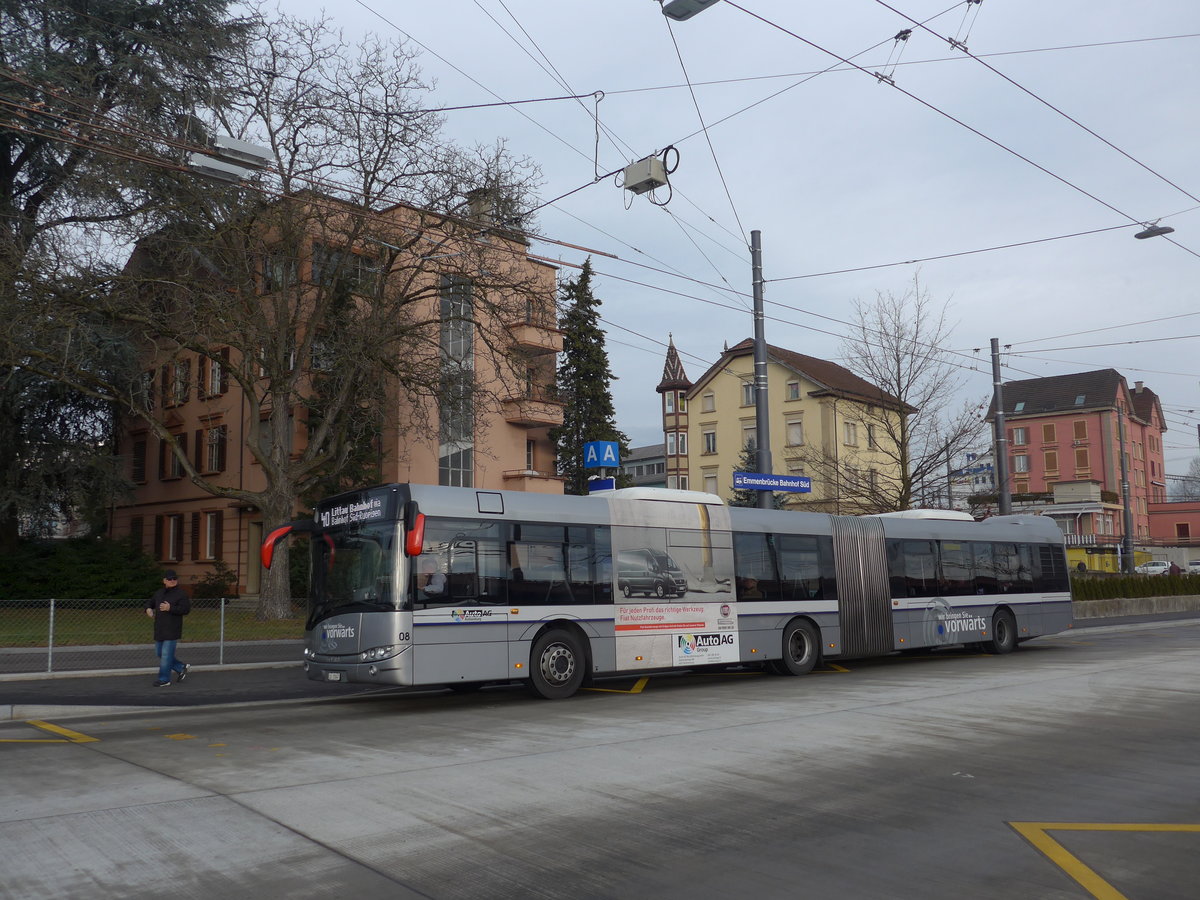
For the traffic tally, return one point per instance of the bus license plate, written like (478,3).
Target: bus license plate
(333,676)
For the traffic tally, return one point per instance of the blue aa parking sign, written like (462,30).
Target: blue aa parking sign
(601,454)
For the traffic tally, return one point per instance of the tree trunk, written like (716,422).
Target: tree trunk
(275,600)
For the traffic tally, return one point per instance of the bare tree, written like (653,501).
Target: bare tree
(905,435)
(338,291)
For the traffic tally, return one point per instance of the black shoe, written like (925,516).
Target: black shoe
(162,684)
(182,675)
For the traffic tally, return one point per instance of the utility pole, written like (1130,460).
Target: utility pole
(1127,516)
(1000,439)
(762,422)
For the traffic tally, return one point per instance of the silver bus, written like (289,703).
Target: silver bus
(425,585)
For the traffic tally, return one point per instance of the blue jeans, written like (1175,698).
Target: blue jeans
(167,663)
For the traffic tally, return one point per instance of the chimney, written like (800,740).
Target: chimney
(1137,387)
(481,205)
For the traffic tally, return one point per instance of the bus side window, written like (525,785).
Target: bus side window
(754,567)
(806,572)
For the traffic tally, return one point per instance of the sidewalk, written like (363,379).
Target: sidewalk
(104,692)
(128,690)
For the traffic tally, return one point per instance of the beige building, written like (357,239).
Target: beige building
(497,437)
(826,423)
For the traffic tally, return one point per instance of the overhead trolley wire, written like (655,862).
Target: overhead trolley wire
(959,122)
(961,45)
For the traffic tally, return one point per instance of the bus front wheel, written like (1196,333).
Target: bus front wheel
(1004,633)
(801,649)
(556,665)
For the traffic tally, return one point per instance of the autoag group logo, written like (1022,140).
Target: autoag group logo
(944,625)
(697,644)
(470,615)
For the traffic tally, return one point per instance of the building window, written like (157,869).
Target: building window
(683,482)
(175,378)
(710,441)
(212,535)
(682,403)
(1021,463)
(530,446)
(683,443)
(747,393)
(1080,426)
(710,483)
(1020,437)
(1051,460)
(334,267)
(850,434)
(1183,530)
(147,390)
(1020,487)
(172,534)
(1020,406)
(278,272)
(214,449)
(672,481)
(669,401)
(137,472)
(671,438)
(456,411)
(708,403)
(1082,463)
(749,436)
(169,463)
(795,433)
(793,390)
(1048,436)
(872,444)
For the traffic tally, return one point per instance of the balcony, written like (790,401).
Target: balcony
(536,408)
(536,338)
(532,481)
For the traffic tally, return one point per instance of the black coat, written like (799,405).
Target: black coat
(168,626)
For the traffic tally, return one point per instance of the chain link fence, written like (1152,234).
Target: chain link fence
(88,635)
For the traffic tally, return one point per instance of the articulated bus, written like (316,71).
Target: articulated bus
(424,585)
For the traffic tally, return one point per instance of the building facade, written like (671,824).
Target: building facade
(646,466)
(1066,436)
(489,431)
(824,425)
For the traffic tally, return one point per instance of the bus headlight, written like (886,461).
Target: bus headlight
(378,653)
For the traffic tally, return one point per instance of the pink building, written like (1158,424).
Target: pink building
(1067,429)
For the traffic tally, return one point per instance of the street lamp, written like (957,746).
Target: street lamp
(681,10)
(1154,231)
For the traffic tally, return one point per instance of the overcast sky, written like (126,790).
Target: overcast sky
(841,170)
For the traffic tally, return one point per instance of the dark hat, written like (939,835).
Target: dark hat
(170,575)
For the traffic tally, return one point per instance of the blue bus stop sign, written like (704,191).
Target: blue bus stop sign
(757,481)
(596,485)
(601,454)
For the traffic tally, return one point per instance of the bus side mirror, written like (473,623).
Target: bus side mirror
(267,550)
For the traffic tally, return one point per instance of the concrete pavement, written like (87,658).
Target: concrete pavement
(132,690)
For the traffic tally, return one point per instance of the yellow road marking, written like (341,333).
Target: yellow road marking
(68,736)
(180,737)
(636,689)
(831,667)
(1037,834)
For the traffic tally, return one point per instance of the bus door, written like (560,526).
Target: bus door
(460,630)
(864,594)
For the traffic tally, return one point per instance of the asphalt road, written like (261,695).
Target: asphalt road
(1061,771)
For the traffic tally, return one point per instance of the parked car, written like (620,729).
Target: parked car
(1154,567)
(1194,567)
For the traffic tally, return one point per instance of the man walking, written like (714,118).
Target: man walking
(167,608)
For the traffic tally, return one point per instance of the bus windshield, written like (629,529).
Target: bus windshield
(353,570)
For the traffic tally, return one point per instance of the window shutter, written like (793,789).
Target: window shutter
(196,535)
(162,459)
(158,537)
(201,379)
(198,451)
(218,537)
(177,524)
(220,460)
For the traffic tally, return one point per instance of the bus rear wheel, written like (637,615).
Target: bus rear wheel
(556,665)
(1004,633)
(801,649)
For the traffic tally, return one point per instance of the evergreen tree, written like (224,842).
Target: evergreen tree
(584,377)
